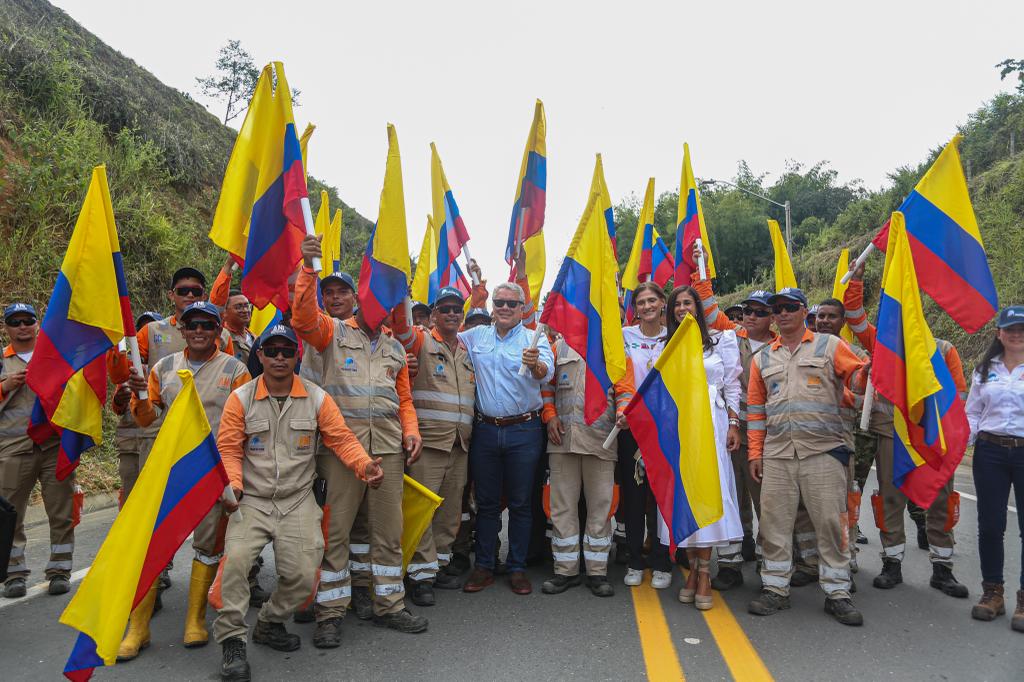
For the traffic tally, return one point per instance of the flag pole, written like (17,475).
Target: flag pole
(133,346)
(700,260)
(610,440)
(229,495)
(861,259)
(869,402)
(469,259)
(307,217)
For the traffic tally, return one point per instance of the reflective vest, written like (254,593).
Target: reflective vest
(243,344)
(570,386)
(15,411)
(444,392)
(213,382)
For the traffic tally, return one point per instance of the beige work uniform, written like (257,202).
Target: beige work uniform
(132,451)
(278,468)
(444,392)
(243,344)
(361,380)
(804,423)
(22,463)
(580,462)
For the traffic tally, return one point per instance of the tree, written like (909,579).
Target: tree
(1008,66)
(235,80)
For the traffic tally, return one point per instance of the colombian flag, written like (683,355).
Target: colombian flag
(450,230)
(583,306)
(784,276)
(259,218)
(181,481)
(604,204)
(839,289)
(670,416)
(384,276)
(88,314)
(949,255)
(429,279)
(528,210)
(649,259)
(929,420)
(330,229)
(690,226)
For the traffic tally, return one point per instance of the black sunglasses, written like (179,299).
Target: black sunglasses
(757,312)
(448,309)
(505,303)
(21,322)
(186,291)
(287,352)
(778,308)
(205,325)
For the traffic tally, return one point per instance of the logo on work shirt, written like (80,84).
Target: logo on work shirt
(563,380)
(390,372)
(349,365)
(439,370)
(305,442)
(814,381)
(775,388)
(224,382)
(256,445)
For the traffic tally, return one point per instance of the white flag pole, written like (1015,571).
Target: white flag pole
(861,259)
(307,217)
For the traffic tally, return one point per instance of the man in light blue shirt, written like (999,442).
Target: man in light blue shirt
(508,436)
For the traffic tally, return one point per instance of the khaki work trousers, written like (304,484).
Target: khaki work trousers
(207,538)
(345,495)
(820,481)
(748,497)
(894,503)
(129,466)
(445,474)
(298,550)
(18,475)
(570,474)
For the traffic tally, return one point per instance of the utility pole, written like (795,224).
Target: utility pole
(786,207)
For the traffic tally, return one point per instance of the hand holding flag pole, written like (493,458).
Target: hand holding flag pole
(307,217)
(133,346)
(700,259)
(469,262)
(229,496)
(861,259)
(523,370)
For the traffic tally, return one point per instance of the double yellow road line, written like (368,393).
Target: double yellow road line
(660,655)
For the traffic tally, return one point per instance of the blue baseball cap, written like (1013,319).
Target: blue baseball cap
(279,331)
(204,307)
(147,317)
(478,312)
(758,296)
(791,293)
(342,277)
(420,304)
(19,308)
(449,292)
(1008,316)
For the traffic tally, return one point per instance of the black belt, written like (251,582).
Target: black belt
(508,421)
(1005,441)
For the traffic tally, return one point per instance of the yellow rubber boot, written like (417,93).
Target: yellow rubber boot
(137,637)
(195,621)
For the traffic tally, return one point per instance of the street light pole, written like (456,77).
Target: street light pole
(789,214)
(785,207)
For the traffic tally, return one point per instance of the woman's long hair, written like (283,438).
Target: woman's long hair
(702,324)
(994,350)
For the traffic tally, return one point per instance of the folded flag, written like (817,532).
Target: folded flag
(181,481)
(263,319)
(929,420)
(418,506)
(649,259)
(384,276)
(583,306)
(784,276)
(839,289)
(88,314)
(259,217)
(604,204)
(527,223)
(330,230)
(690,226)
(670,417)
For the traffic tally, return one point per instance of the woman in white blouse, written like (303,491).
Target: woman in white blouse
(995,410)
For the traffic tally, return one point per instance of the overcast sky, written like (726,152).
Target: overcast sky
(867,86)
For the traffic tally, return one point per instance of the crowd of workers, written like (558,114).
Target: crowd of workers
(316,445)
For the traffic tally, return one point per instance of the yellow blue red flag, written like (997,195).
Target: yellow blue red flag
(690,226)
(527,223)
(649,260)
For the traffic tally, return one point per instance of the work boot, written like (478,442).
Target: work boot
(844,611)
(305,615)
(599,586)
(891,575)
(59,584)
(421,593)
(403,621)
(198,588)
(768,603)
(362,602)
(991,603)
(447,581)
(942,579)
(479,579)
(14,588)
(1017,619)
(233,666)
(275,636)
(327,634)
(458,565)
(137,637)
(802,579)
(727,578)
(558,584)
(749,548)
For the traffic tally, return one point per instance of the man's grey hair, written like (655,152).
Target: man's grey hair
(510,286)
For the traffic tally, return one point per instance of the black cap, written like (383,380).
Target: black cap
(187,273)
(791,293)
(733,307)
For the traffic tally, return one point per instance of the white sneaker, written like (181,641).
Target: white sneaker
(660,579)
(634,576)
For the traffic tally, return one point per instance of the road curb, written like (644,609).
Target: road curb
(35,515)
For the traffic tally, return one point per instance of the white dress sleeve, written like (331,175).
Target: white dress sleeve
(729,351)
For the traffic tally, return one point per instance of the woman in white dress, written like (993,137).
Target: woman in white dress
(723,369)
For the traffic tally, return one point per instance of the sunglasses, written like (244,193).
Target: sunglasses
(21,322)
(449,309)
(287,352)
(779,308)
(757,312)
(205,325)
(505,303)
(195,292)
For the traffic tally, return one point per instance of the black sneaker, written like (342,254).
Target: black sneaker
(14,588)
(257,595)
(802,578)
(768,603)
(362,602)
(942,579)
(403,621)
(305,615)
(327,634)
(599,586)
(748,549)
(560,583)
(891,575)
(275,636)
(844,611)
(447,581)
(233,666)
(727,578)
(421,593)
(59,584)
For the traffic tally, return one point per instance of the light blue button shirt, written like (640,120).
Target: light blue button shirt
(500,390)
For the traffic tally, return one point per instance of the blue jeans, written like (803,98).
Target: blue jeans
(996,468)
(503,459)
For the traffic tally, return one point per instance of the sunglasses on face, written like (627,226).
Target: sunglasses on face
(505,303)
(195,292)
(287,352)
(449,309)
(21,322)
(779,308)
(205,325)
(757,312)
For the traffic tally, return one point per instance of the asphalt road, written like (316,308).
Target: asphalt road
(911,633)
